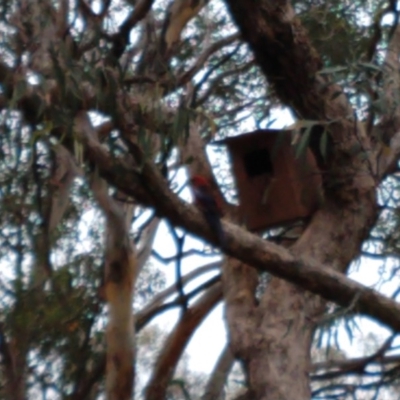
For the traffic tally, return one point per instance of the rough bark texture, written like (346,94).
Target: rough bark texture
(276,350)
(260,254)
(271,336)
(239,280)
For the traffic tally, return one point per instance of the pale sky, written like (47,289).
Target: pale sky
(211,336)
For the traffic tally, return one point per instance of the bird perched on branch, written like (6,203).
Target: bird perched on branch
(206,202)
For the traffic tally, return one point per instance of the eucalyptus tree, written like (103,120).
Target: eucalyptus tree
(104,104)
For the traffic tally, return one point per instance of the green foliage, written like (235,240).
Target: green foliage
(58,323)
(340,32)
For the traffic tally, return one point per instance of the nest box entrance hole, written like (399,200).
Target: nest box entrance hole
(258,162)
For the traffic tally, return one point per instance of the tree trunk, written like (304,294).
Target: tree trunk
(279,362)
(275,344)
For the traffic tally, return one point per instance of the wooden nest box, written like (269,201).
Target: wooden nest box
(274,186)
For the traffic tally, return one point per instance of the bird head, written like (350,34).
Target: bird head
(199,181)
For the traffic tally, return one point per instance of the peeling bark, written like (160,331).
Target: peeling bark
(271,336)
(119,278)
(120,272)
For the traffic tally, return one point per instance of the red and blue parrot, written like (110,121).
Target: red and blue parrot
(206,202)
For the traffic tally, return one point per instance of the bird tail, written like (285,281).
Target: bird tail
(215,223)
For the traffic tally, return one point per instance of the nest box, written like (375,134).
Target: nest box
(274,186)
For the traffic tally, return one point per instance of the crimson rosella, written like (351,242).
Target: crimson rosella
(208,205)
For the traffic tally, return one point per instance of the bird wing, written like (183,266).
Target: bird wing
(205,201)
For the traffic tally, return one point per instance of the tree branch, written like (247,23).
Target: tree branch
(158,300)
(243,245)
(144,318)
(355,365)
(217,381)
(177,341)
(389,128)
(199,64)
